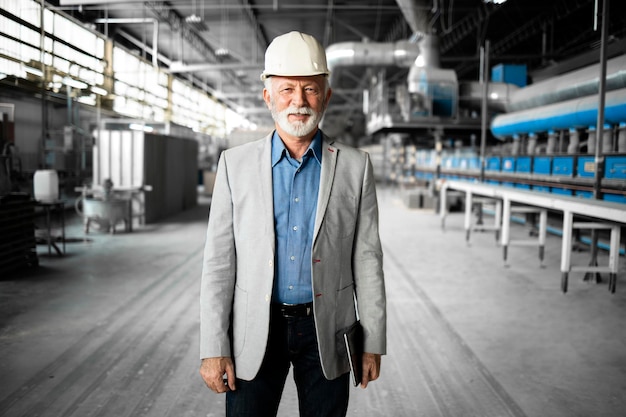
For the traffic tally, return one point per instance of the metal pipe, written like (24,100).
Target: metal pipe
(44,107)
(607,139)
(569,86)
(599,158)
(574,141)
(401,54)
(621,138)
(531,146)
(592,140)
(483,125)
(581,112)
(551,143)
(155,31)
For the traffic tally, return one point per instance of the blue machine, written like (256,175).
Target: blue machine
(542,165)
(523,165)
(617,198)
(564,166)
(508,165)
(493,164)
(615,167)
(586,166)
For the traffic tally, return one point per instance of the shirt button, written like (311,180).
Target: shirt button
(293,258)
(291,287)
(296,199)
(295,228)
(271,263)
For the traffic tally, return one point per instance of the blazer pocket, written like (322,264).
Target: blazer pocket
(345,312)
(240,320)
(341,215)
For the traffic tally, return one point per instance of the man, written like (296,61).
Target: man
(292,242)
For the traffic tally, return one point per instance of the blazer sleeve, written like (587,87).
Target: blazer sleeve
(367,267)
(218,270)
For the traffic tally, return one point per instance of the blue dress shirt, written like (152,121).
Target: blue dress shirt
(295,186)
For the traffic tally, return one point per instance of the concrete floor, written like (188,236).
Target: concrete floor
(111,329)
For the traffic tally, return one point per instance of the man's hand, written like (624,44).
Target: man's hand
(212,371)
(371,368)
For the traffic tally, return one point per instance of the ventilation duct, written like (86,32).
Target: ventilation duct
(433,91)
(580,83)
(498,95)
(400,54)
(580,112)
(415,15)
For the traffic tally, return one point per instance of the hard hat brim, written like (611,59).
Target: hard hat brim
(265,76)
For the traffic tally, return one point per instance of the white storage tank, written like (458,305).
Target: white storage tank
(46,185)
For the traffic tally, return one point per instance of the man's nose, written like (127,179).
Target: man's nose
(299,97)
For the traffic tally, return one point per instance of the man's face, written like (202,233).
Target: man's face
(297,103)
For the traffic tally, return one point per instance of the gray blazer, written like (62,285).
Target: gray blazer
(238,266)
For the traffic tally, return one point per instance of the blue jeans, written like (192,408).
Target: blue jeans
(292,340)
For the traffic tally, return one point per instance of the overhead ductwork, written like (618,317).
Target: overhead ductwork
(580,83)
(577,113)
(498,95)
(563,102)
(434,91)
(400,54)
(415,14)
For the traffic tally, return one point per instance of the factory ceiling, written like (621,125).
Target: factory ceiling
(220,44)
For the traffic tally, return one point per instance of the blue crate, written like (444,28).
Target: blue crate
(586,166)
(523,186)
(542,165)
(561,191)
(617,198)
(523,164)
(563,165)
(541,188)
(615,167)
(508,164)
(493,163)
(584,194)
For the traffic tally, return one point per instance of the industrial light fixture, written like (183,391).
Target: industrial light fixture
(31,70)
(99,91)
(74,83)
(194,18)
(222,52)
(495,1)
(141,127)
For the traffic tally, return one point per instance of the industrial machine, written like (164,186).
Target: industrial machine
(540,137)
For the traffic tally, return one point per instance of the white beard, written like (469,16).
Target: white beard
(297,128)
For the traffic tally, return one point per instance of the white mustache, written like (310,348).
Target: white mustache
(301,110)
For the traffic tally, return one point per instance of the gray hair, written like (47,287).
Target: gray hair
(268,85)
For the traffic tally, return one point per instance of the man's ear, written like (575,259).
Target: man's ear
(266,98)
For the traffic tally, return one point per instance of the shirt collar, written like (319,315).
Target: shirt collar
(278,147)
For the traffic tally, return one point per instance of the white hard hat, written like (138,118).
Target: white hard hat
(295,54)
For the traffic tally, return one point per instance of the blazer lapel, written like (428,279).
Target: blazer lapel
(327,176)
(265,177)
